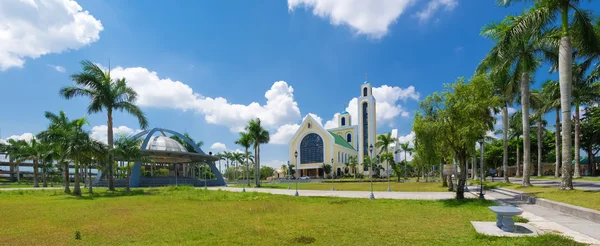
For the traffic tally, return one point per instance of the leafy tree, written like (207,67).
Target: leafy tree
(460,115)
(108,94)
(590,138)
(326,169)
(353,162)
(266,171)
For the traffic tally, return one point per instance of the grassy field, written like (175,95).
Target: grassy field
(187,216)
(586,199)
(363,186)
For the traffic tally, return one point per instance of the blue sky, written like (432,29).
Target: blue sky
(206,67)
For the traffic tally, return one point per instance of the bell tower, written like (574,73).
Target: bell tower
(366,121)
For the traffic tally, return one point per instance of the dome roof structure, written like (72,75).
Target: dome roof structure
(164,143)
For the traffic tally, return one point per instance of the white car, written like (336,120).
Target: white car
(304,177)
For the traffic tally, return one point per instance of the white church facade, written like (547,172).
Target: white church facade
(316,145)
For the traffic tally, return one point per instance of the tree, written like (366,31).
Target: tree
(107,94)
(406,149)
(541,105)
(551,91)
(245,141)
(78,142)
(460,115)
(544,15)
(127,148)
(590,137)
(259,136)
(384,142)
(353,162)
(185,144)
(326,168)
(266,171)
(515,131)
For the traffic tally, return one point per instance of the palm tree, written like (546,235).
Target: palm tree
(326,169)
(13,149)
(31,150)
(406,148)
(237,157)
(353,160)
(384,142)
(284,169)
(185,144)
(259,136)
(107,94)
(58,133)
(544,15)
(516,131)
(540,105)
(78,143)
(245,141)
(551,91)
(127,148)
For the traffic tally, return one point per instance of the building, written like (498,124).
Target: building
(316,145)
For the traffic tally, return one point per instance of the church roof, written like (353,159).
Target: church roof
(344,112)
(341,141)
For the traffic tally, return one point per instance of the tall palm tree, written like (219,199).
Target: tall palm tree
(127,148)
(107,94)
(551,91)
(245,141)
(384,141)
(238,158)
(578,25)
(519,56)
(516,131)
(14,149)
(540,105)
(353,160)
(405,148)
(78,143)
(31,150)
(259,136)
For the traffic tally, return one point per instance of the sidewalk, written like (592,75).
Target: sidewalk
(550,220)
(353,194)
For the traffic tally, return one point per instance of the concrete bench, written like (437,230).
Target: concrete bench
(504,217)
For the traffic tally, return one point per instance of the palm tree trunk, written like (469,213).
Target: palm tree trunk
(526,135)
(475,172)
(565,68)
(67,182)
(77,189)
(405,161)
(90,179)
(505,143)
(44,175)
(128,188)
(557,143)
(35,174)
(258,166)
(539,143)
(111,171)
(576,172)
(518,160)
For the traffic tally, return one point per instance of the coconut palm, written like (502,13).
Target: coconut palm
(405,148)
(578,25)
(551,91)
(245,141)
(259,136)
(108,94)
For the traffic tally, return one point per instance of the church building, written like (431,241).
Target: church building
(316,145)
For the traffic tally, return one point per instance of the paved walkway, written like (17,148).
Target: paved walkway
(353,194)
(32,188)
(550,220)
(577,184)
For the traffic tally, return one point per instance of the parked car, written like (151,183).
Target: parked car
(304,177)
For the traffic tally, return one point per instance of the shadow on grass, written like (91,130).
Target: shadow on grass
(111,194)
(467,202)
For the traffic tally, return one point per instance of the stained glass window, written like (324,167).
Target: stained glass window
(311,149)
(348,137)
(343,121)
(365,128)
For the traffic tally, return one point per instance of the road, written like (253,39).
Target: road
(577,184)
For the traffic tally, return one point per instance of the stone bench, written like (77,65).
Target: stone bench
(504,217)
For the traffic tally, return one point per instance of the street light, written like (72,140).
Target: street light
(372,197)
(481,170)
(332,172)
(296,155)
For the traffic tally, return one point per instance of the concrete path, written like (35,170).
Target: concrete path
(550,220)
(32,188)
(577,184)
(353,194)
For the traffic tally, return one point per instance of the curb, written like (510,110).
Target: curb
(577,211)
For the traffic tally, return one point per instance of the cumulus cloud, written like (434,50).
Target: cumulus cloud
(30,29)
(280,107)
(100,132)
(218,146)
(388,105)
(371,18)
(25,136)
(433,6)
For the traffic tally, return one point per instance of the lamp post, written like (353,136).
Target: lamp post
(332,172)
(296,156)
(289,173)
(372,197)
(481,142)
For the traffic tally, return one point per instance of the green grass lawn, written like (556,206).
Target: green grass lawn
(187,216)
(586,199)
(364,186)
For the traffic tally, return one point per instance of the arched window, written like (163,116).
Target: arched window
(343,121)
(365,92)
(311,149)
(309,125)
(348,137)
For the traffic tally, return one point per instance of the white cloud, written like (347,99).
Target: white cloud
(25,136)
(407,138)
(371,17)
(388,105)
(59,69)
(280,107)
(30,29)
(272,163)
(100,132)
(218,146)
(284,134)
(433,6)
